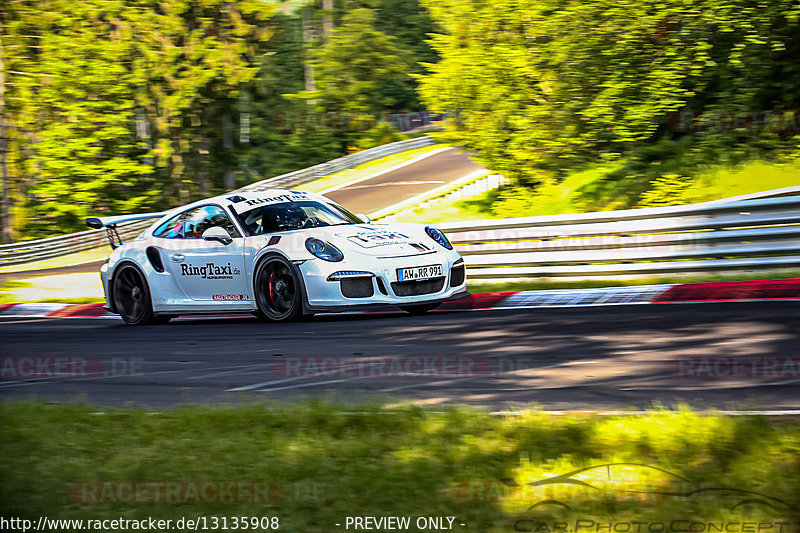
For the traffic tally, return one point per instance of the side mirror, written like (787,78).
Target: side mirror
(363,218)
(217,234)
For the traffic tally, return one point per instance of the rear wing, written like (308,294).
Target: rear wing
(110,224)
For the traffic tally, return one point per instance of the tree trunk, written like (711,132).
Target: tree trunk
(229,178)
(5,211)
(327,20)
(308,41)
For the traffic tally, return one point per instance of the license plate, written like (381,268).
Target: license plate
(410,274)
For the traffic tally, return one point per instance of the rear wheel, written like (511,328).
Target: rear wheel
(277,288)
(419,309)
(132,297)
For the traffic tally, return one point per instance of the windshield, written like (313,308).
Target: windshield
(294,215)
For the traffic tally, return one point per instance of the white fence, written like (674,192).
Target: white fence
(754,232)
(734,235)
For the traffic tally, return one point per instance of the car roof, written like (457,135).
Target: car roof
(245,200)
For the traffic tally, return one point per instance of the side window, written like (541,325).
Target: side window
(192,224)
(200,219)
(172,228)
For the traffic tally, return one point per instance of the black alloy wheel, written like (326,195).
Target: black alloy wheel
(132,297)
(278,292)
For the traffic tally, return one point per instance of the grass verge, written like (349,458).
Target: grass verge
(325,463)
(78,258)
(593,189)
(63,288)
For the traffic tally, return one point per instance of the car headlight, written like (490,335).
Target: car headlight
(439,237)
(323,250)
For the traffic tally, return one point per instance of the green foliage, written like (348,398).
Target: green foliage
(382,133)
(410,25)
(116,102)
(279,139)
(355,70)
(670,189)
(83,144)
(133,105)
(553,84)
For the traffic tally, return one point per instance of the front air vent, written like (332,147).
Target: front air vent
(457,274)
(417,287)
(154,256)
(357,287)
(382,286)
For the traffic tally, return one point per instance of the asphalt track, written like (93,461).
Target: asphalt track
(616,357)
(399,185)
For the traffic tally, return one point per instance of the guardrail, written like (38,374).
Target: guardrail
(738,234)
(299,177)
(40,249)
(757,231)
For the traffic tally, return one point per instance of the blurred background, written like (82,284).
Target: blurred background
(111,106)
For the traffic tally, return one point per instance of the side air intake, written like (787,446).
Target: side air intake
(154,256)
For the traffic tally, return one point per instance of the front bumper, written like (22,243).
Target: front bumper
(372,306)
(105,279)
(324,293)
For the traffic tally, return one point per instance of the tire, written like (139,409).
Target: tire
(278,291)
(132,296)
(419,309)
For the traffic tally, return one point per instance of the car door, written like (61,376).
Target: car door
(205,270)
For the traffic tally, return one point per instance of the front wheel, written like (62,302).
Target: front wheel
(419,309)
(277,290)
(132,296)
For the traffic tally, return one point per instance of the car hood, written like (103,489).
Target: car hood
(378,240)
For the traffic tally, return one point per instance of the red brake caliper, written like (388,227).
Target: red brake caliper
(271,289)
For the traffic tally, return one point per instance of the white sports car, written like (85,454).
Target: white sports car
(278,254)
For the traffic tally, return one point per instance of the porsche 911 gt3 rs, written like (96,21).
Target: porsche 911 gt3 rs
(277,254)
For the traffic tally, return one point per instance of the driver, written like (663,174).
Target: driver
(294,217)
